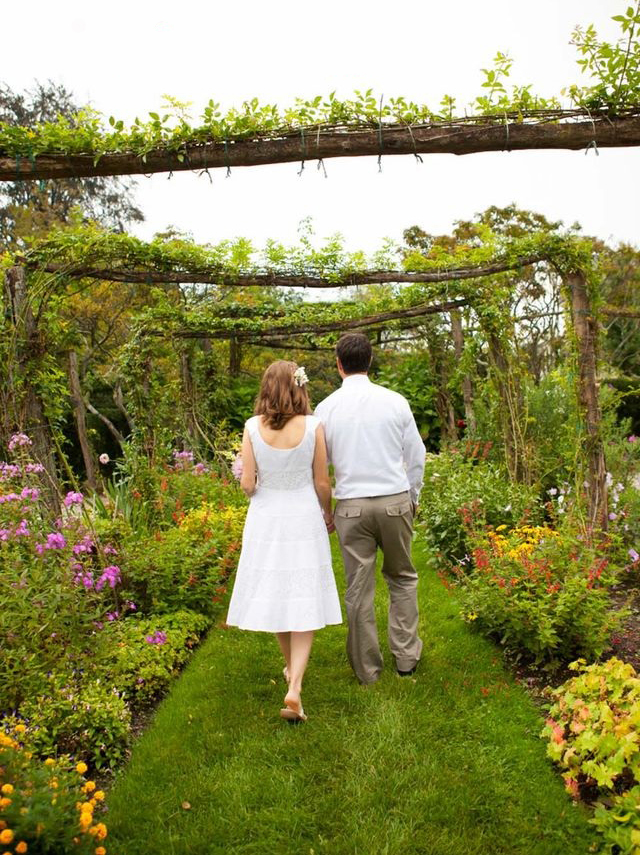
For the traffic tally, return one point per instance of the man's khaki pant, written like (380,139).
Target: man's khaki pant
(363,526)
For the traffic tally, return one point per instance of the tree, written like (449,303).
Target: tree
(33,207)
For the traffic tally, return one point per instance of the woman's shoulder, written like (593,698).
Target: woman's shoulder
(251,423)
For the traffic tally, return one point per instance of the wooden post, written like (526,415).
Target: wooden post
(586,331)
(77,402)
(467,386)
(29,415)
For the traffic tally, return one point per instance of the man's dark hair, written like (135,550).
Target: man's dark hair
(354,352)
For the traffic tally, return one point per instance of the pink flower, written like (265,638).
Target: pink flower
(104,459)
(237,467)
(632,438)
(158,637)
(634,555)
(55,540)
(73,499)
(17,440)
(110,574)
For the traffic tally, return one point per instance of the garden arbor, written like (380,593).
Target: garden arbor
(440,288)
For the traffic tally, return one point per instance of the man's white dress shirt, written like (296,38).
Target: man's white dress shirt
(372,440)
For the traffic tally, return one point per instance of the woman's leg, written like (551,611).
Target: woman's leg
(284,640)
(300,649)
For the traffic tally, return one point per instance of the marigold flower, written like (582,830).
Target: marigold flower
(100,850)
(19,728)
(4,802)
(81,767)
(49,761)
(21,847)
(89,787)
(6,789)
(99,795)
(6,836)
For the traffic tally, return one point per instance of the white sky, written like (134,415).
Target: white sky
(122,57)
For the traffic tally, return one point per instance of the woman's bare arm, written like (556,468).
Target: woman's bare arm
(321,476)
(248,477)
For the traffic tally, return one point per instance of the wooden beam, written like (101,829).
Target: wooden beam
(312,327)
(441,138)
(283,280)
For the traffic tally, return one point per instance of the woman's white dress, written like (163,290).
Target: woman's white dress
(285,579)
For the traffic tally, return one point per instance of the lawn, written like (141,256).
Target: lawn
(445,763)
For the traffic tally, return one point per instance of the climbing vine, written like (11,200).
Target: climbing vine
(613,70)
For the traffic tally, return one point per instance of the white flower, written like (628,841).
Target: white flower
(104,458)
(300,376)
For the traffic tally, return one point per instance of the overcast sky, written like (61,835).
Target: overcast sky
(123,57)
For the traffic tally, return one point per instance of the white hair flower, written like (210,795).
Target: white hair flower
(300,376)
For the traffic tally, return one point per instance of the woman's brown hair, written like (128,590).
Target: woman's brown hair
(279,398)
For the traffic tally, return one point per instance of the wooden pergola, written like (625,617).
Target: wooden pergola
(276,329)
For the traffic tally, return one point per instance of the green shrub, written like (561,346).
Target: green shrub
(593,733)
(187,566)
(539,592)
(46,807)
(81,716)
(454,480)
(141,655)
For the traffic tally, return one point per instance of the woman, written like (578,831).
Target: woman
(285,582)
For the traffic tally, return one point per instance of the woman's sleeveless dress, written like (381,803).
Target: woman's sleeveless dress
(285,579)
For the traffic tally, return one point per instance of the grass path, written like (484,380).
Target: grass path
(448,763)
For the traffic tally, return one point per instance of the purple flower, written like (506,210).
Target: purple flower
(34,467)
(73,499)
(158,637)
(55,540)
(22,530)
(111,616)
(30,493)
(110,574)
(634,555)
(5,533)
(200,469)
(109,550)
(632,438)
(132,606)
(40,548)
(613,516)
(84,545)
(9,497)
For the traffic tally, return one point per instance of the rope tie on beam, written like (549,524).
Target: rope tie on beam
(226,157)
(320,159)
(303,149)
(415,147)
(380,135)
(593,144)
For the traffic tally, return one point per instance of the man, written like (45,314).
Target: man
(378,460)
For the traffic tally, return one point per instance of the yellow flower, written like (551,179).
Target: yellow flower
(99,795)
(49,761)
(86,807)
(6,836)
(100,850)
(89,787)
(19,728)
(99,830)
(21,847)
(501,528)
(81,767)
(5,802)
(472,616)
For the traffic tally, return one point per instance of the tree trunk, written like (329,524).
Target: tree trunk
(444,407)
(586,331)
(118,399)
(511,409)
(455,137)
(188,391)
(28,408)
(235,357)
(467,385)
(79,415)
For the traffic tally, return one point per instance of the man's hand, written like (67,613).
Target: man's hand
(328,519)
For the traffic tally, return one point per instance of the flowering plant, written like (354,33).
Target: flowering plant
(539,590)
(47,806)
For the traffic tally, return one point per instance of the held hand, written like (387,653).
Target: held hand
(328,519)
